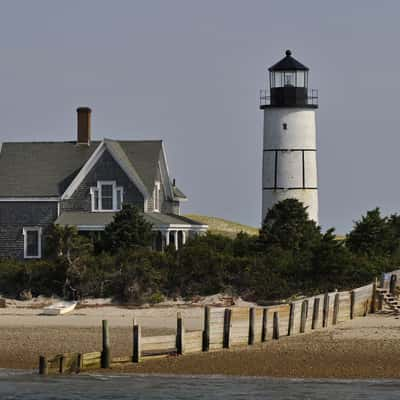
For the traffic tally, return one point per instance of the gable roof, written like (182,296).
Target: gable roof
(46,169)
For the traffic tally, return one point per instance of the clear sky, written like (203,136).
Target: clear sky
(189,72)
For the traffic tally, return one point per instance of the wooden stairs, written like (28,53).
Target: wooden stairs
(388,299)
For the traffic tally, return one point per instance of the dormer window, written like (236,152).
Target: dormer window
(156,197)
(106,196)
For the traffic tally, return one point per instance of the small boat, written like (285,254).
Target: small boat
(60,308)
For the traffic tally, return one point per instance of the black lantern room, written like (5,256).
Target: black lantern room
(288,80)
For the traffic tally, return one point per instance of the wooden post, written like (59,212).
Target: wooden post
(251,326)
(325,311)
(227,328)
(352,303)
(336,309)
(393,282)
(206,329)
(275,328)
(62,364)
(291,319)
(315,313)
(373,300)
(43,365)
(303,318)
(180,334)
(137,345)
(79,363)
(264,325)
(106,353)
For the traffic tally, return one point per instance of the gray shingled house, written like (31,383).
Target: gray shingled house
(83,184)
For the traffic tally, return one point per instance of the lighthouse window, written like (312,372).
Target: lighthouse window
(284,126)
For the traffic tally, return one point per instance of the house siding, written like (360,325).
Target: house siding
(15,216)
(166,206)
(106,169)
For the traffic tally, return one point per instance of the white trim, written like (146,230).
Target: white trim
(38,229)
(164,173)
(29,199)
(90,227)
(155,228)
(90,163)
(98,188)
(156,195)
(127,166)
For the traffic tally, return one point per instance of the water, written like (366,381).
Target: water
(17,385)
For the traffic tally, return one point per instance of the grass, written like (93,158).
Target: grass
(223,226)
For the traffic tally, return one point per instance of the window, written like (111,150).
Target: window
(32,242)
(156,196)
(106,196)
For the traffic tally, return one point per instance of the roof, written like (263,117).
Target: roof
(288,63)
(178,192)
(45,169)
(91,220)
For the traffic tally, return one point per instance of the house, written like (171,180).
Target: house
(83,183)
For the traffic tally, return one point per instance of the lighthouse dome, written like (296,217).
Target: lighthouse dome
(288,63)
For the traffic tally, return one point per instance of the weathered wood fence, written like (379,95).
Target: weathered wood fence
(224,328)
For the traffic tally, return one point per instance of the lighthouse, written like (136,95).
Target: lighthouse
(290,152)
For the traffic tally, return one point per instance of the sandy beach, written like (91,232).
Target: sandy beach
(363,348)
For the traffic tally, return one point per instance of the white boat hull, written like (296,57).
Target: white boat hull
(61,308)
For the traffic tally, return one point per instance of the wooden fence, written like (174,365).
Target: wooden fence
(224,328)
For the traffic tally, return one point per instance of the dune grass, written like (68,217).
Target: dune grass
(222,226)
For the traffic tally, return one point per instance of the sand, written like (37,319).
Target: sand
(363,348)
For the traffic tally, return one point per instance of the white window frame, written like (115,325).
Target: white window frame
(115,189)
(25,231)
(156,196)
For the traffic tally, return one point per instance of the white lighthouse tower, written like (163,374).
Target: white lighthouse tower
(290,152)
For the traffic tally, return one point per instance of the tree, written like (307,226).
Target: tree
(129,230)
(287,225)
(69,250)
(373,235)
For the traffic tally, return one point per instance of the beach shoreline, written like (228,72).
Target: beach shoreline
(363,348)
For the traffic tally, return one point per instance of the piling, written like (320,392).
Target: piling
(264,325)
(352,303)
(303,317)
(275,327)
(43,365)
(251,325)
(315,313)
(336,309)
(137,351)
(393,283)
(291,319)
(325,316)
(227,328)
(180,334)
(106,353)
(206,329)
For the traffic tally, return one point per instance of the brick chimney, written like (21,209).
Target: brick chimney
(84,125)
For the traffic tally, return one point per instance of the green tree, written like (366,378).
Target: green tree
(287,225)
(138,277)
(373,235)
(129,230)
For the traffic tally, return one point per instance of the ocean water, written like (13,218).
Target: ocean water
(21,385)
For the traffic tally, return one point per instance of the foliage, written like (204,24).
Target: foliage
(129,230)
(290,256)
(373,235)
(287,225)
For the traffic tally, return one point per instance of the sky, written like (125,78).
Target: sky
(189,72)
